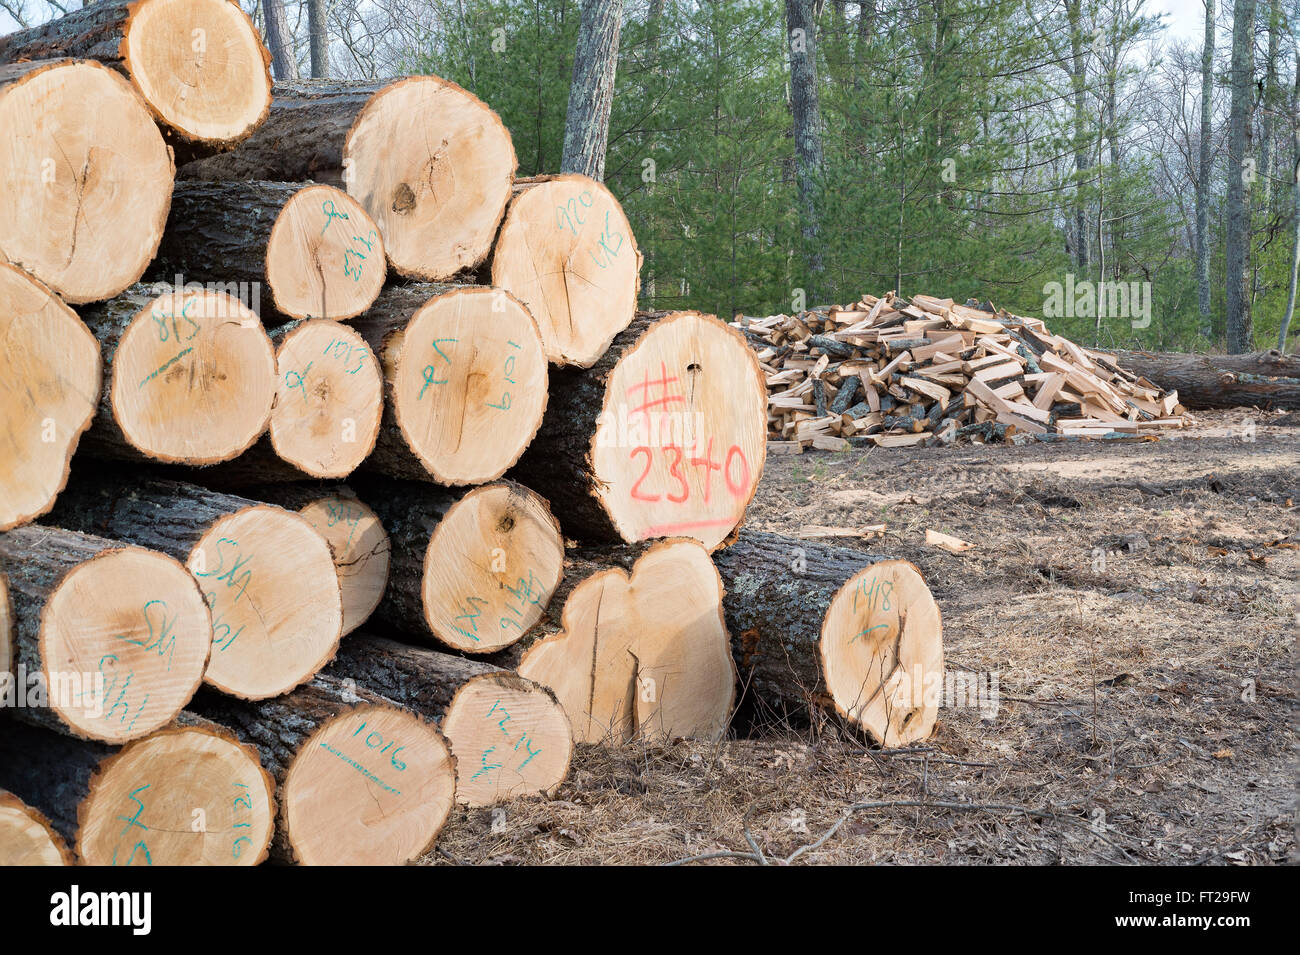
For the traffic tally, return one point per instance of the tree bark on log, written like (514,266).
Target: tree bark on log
(110,642)
(269,577)
(48,392)
(199,65)
(665,435)
(87,224)
(1262,379)
(814,625)
(361,781)
(49,772)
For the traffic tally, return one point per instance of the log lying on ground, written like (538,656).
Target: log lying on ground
(813,625)
(198,64)
(26,836)
(314,247)
(110,642)
(466,379)
(1262,380)
(567,251)
(637,654)
(189,376)
(355,535)
(474,569)
(49,388)
(664,436)
(362,782)
(277,609)
(510,735)
(87,177)
(186,795)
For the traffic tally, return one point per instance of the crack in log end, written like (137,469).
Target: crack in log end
(403,200)
(506,524)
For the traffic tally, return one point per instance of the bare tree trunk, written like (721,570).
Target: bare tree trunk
(318,30)
(279,40)
(1203,175)
(1240,176)
(1268,104)
(1295,208)
(1079,82)
(591,95)
(805,109)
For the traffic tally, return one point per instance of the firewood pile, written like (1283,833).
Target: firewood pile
(890,372)
(340,484)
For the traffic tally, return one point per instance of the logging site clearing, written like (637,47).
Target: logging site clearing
(1135,602)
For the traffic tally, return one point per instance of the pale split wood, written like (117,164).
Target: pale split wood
(88,177)
(361,549)
(567,251)
(881,649)
(26,836)
(511,738)
(433,164)
(6,632)
(329,399)
(189,795)
(642,655)
(371,786)
(325,257)
(50,379)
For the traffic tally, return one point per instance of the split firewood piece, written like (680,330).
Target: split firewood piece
(189,376)
(474,569)
(511,738)
(110,642)
(949,543)
(329,399)
(355,534)
(314,247)
(26,836)
(567,251)
(88,177)
(199,64)
(269,577)
(663,437)
(49,388)
(6,638)
(811,621)
(466,379)
(362,782)
(643,654)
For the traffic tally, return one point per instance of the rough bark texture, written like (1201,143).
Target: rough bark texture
(1295,209)
(591,94)
(279,39)
(418,678)
(801,30)
(1078,69)
(318,30)
(1203,168)
(49,772)
(1263,379)
(301,139)
(1240,176)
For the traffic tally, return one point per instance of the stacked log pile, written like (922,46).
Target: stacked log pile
(890,372)
(387,539)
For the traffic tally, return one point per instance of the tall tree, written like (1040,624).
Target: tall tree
(1078,68)
(591,94)
(801,29)
(1241,177)
(1270,102)
(279,40)
(318,30)
(1203,173)
(1295,207)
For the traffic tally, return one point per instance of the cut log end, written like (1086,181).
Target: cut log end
(642,655)
(88,177)
(329,399)
(200,66)
(681,440)
(490,569)
(124,640)
(882,653)
(361,551)
(469,384)
(567,251)
(27,838)
(433,165)
(277,610)
(49,389)
(193,378)
(181,797)
(372,786)
(512,739)
(325,257)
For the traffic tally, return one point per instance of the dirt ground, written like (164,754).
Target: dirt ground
(1136,604)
